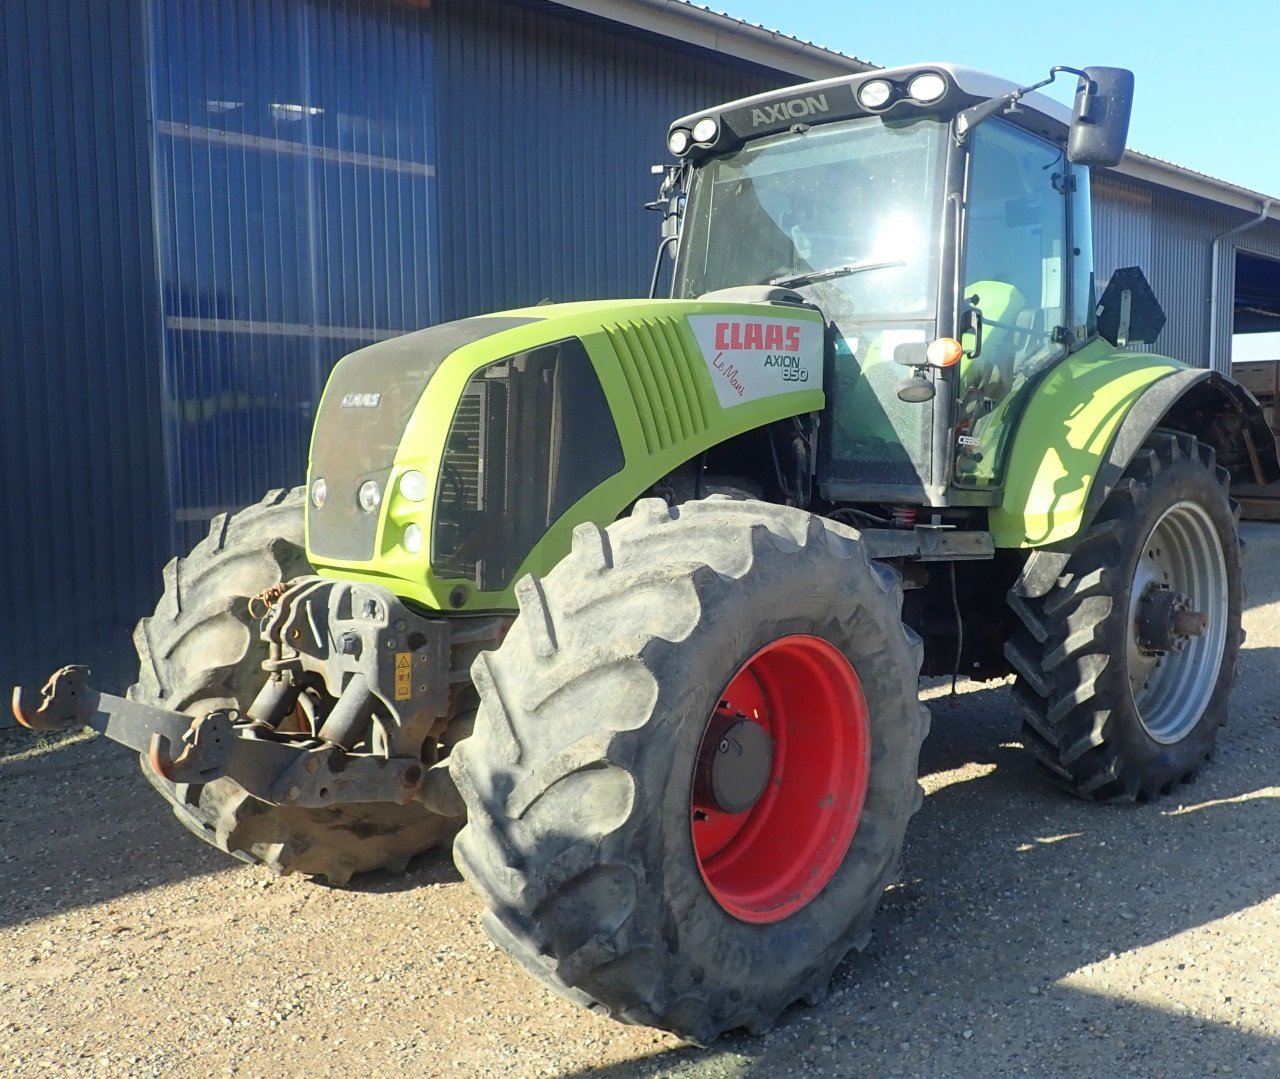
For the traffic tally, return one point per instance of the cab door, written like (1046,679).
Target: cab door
(1016,288)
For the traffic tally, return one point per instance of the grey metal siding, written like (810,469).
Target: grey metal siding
(1121,224)
(547,127)
(1170,235)
(1180,272)
(81,478)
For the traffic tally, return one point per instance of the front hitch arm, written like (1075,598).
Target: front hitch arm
(280,769)
(67,702)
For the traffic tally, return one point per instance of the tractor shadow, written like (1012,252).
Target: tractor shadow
(1261,553)
(432,867)
(79,825)
(996,953)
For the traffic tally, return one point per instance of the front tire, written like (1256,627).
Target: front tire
(1121,689)
(601,717)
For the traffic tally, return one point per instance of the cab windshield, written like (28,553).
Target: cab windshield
(856,198)
(849,215)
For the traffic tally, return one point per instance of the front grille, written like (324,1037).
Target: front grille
(462,483)
(531,435)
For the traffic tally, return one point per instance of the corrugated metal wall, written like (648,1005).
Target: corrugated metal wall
(294,176)
(317,174)
(299,149)
(81,473)
(547,127)
(1170,235)
(1121,224)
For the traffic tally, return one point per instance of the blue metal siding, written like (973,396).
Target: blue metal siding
(205,203)
(294,175)
(81,480)
(547,127)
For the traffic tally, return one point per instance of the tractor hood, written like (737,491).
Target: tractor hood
(448,462)
(370,397)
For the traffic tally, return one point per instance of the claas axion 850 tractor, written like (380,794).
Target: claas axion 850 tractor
(641,591)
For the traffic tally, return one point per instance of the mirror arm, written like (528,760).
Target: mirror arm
(969,118)
(666,242)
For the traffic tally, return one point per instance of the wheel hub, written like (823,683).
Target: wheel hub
(1178,620)
(1165,621)
(780,778)
(736,762)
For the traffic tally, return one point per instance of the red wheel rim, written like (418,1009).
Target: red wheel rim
(767,862)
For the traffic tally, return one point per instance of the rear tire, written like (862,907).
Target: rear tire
(580,777)
(1104,716)
(201,651)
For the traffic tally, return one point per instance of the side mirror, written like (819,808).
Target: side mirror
(1100,119)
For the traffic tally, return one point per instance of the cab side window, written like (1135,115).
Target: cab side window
(1014,276)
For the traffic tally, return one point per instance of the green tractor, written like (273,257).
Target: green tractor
(630,600)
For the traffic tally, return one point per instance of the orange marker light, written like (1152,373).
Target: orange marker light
(944,352)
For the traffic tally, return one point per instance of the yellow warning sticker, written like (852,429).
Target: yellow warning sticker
(404,675)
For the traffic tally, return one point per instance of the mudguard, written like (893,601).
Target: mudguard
(1088,417)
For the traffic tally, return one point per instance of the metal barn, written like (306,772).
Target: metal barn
(205,203)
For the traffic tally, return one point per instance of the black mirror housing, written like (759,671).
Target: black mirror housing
(1100,119)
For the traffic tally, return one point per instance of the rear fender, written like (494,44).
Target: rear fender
(1089,417)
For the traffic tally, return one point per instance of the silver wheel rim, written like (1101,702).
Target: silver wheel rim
(1171,691)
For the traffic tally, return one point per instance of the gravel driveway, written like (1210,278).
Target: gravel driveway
(1031,934)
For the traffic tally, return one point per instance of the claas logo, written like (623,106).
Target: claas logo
(766,336)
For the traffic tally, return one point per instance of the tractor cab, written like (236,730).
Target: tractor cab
(939,219)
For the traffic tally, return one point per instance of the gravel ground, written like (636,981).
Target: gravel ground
(1031,934)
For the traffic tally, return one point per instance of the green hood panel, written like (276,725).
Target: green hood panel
(678,377)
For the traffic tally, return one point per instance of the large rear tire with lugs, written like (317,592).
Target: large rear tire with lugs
(1124,667)
(694,764)
(201,651)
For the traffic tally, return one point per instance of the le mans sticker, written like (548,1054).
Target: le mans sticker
(751,357)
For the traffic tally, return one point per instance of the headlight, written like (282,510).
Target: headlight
(319,492)
(413,486)
(706,129)
(875,94)
(678,141)
(927,87)
(369,496)
(412,539)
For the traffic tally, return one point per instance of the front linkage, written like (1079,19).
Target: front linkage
(369,684)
